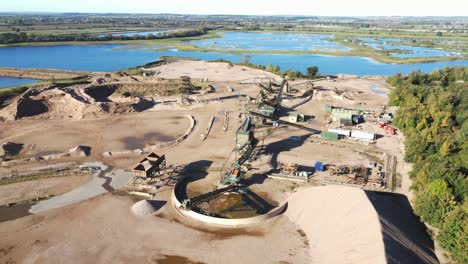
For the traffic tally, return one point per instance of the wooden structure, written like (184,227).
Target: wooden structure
(184,84)
(287,168)
(154,165)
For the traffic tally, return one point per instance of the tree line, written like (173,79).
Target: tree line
(22,37)
(311,72)
(433,113)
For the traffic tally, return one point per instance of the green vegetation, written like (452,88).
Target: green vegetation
(22,37)
(11,92)
(38,176)
(132,71)
(356,49)
(181,42)
(433,114)
(69,81)
(444,33)
(312,72)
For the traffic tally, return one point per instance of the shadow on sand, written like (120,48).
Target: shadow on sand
(405,237)
(192,172)
(284,145)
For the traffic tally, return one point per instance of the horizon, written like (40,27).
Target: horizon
(331,8)
(265,15)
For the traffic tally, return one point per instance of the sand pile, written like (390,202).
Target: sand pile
(213,71)
(59,102)
(146,207)
(331,95)
(341,224)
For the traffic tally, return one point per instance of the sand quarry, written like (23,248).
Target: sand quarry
(322,223)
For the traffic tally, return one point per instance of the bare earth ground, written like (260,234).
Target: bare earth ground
(221,72)
(326,224)
(103,230)
(32,189)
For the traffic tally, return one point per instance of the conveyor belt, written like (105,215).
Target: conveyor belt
(208,196)
(299,126)
(287,123)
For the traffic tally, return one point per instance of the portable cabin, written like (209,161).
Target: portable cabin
(361,134)
(319,166)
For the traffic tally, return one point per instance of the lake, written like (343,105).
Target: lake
(271,41)
(10,81)
(408,50)
(112,57)
(141,33)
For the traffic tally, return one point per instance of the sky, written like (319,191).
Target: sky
(247,7)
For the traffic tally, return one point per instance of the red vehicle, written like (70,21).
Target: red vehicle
(389,131)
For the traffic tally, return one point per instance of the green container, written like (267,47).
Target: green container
(328,108)
(329,135)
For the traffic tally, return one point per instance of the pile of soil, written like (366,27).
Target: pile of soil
(340,223)
(61,102)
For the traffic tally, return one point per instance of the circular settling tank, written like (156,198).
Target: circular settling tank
(234,206)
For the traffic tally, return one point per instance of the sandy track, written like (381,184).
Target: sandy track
(100,183)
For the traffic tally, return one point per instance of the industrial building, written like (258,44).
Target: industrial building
(151,166)
(360,134)
(329,135)
(185,84)
(340,131)
(295,117)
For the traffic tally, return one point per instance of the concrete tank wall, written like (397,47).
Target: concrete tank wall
(223,221)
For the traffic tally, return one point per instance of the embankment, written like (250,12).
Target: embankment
(40,74)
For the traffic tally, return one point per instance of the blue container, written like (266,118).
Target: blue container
(319,166)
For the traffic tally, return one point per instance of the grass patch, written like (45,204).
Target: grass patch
(208,35)
(13,90)
(69,81)
(10,92)
(39,176)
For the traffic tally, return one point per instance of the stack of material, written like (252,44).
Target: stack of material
(287,168)
(341,224)
(146,207)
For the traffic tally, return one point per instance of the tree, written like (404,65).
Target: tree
(434,202)
(276,69)
(312,71)
(452,235)
(269,68)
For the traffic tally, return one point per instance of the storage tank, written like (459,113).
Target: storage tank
(362,134)
(340,131)
(329,135)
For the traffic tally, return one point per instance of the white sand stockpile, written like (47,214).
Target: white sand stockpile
(146,207)
(213,71)
(341,224)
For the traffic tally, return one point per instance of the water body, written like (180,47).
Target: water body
(271,41)
(141,33)
(15,211)
(112,57)
(150,138)
(409,51)
(11,81)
